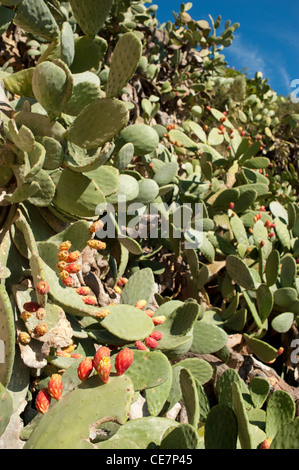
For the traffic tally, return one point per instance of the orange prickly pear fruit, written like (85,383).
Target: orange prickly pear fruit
(266,443)
(96,226)
(89,299)
(25,315)
(63,274)
(103,313)
(24,337)
(83,290)
(117,289)
(61,265)
(42,401)
(141,304)
(42,288)
(73,268)
(63,255)
(55,386)
(96,244)
(122,281)
(65,246)
(41,329)
(68,282)
(123,360)
(280,351)
(73,256)
(149,313)
(104,368)
(85,368)
(103,351)
(41,313)
(159,320)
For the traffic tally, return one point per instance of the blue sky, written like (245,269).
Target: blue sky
(266,41)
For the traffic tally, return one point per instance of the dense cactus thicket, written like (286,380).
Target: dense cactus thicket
(103,337)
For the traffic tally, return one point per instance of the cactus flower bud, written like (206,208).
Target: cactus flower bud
(42,288)
(41,314)
(24,337)
(103,351)
(41,329)
(42,401)
(89,299)
(139,345)
(73,256)
(104,369)
(266,443)
(141,304)
(159,320)
(151,342)
(96,244)
(63,255)
(83,290)
(65,246)
(96,226)
(68,282)
(73,268)
(123,360)
(157,335)
(85,369)
(55,386)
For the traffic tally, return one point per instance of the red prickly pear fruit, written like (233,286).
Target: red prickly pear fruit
(31,306)
(83,290)
(68,282)
(104,369)
(123,360)
(73,256)
(151,342)
(96,226)
(73,268)
(65,246)
(55,386)
(271,234)
(41,329)
(149,313)
(42,401)
(159,320)
(262,243)
(268,223)
(231,205)
(63,255)
(157,335)
(139,345)
(85,368)
(122,281)
(266,443)
(280,351)
(141,304)
(208,108)
(42,288)
(89,299)
(103,351)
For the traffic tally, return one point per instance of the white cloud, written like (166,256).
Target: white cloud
(246,56)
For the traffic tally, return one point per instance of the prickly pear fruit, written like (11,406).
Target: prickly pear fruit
(63,274)
(55,386)
(104,368)
(141,304)
(65,246)
(149,313)
(74,256)
(42,401)
(96,226)
(122,281)
(85,368)
(42,288)
(102,313)
(61,265)
(96,244)
(63,255)
(159,320)
(41,329)
(117,289)
(123,360)
(83,290)
(41,313)
(68,282)
(266,443)
(103,351)
(139,345)
(89,299)
(24,337)
(151,342)
(73,268)
(25,315)
(157,335)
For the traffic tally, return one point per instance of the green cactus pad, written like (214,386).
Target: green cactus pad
(288,271)
(34,16)
(7,336)
(259,390)
(265,301)
(224,198)
(6,408)
(272,268)
(81,161)
(285,297)
(86,88)
(54,153)
(280,410)
(157,396)
(287,436)
(124,62)
(244,434)
(124,156)
(40,125)
(224,388)
(200,369)
(283,322)
(99,122)
(221,428)
(190,397)
(144,138)
(91,14)
(264,351)
(89,52)
(183,436)
(207,338)
(148,191)
(128,323)
(140,286)
(239,272)
(115,396)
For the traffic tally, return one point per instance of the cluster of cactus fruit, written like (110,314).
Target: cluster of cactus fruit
(150,113)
